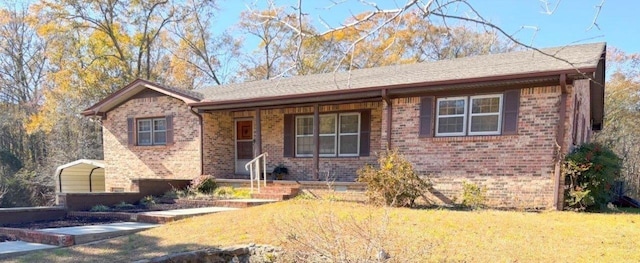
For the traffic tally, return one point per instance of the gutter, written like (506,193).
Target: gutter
(201,138)
(560,138)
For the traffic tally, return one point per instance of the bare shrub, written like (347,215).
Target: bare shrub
(394,182)
(341,237)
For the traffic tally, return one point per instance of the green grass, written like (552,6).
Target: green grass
(407,235)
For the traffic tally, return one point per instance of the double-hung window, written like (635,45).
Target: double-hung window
(152,131)
(473,115)
(339,135)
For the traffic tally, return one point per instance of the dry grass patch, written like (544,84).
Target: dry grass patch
(405,234)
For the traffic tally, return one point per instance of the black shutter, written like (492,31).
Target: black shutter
(510,111)
(365,133)
(289,135)
(426,117)
(169,120)
(131,138)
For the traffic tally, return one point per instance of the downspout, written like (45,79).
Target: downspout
(201,138)
(560,134)
(385,97)
(91,180)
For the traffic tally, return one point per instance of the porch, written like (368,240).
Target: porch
(318,143)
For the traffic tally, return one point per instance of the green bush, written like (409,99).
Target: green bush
(124,206)
(207,186)
(473,196)
(589,173)
(148,201)
(394,182)
(99,208)
(171,194)
(224,192)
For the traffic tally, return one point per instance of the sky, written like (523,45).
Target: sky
(618,22)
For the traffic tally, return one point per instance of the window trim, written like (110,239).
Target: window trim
(336,134)
(468,115)
(499,113)
(464,116)
(152,131)
(340,134)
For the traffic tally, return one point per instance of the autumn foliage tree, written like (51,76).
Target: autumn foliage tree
(621,131)
(380,40)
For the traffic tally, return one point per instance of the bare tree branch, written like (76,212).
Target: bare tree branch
(545,5)
(595,17)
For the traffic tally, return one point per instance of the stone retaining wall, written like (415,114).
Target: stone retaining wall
(241,254)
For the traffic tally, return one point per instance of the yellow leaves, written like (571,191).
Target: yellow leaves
(38,122)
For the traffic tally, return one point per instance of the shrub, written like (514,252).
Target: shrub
(394,182)
(124,206)
(224,192)
(99,208)
(171,194)
(241,193)
(148,201)
(473,196)
(230,192)
(207,186)
(589,173)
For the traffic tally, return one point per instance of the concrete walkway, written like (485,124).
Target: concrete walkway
(19,247)
(86,234)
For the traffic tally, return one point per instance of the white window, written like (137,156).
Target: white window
(451,116)
(339,135)
(349,138)
(152,131)
(485,115)
(474,115)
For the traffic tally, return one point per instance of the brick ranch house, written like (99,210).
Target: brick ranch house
(501,121)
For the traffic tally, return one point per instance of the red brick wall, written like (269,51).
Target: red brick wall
(219,144)
(518,170)
(125,162)
(218,147)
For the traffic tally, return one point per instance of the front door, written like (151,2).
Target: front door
(244,145)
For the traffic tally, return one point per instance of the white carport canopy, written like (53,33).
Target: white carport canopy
(81,176)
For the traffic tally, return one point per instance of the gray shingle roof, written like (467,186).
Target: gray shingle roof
(582,56)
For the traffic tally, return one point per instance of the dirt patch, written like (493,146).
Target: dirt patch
(65,222)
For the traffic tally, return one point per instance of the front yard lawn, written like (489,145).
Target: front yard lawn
(406,234)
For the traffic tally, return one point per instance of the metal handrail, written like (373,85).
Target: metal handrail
(251,168)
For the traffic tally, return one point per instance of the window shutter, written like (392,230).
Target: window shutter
(289,135)
(169,120)
(510,111)
(365,132)
(131,138)
(426,117)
